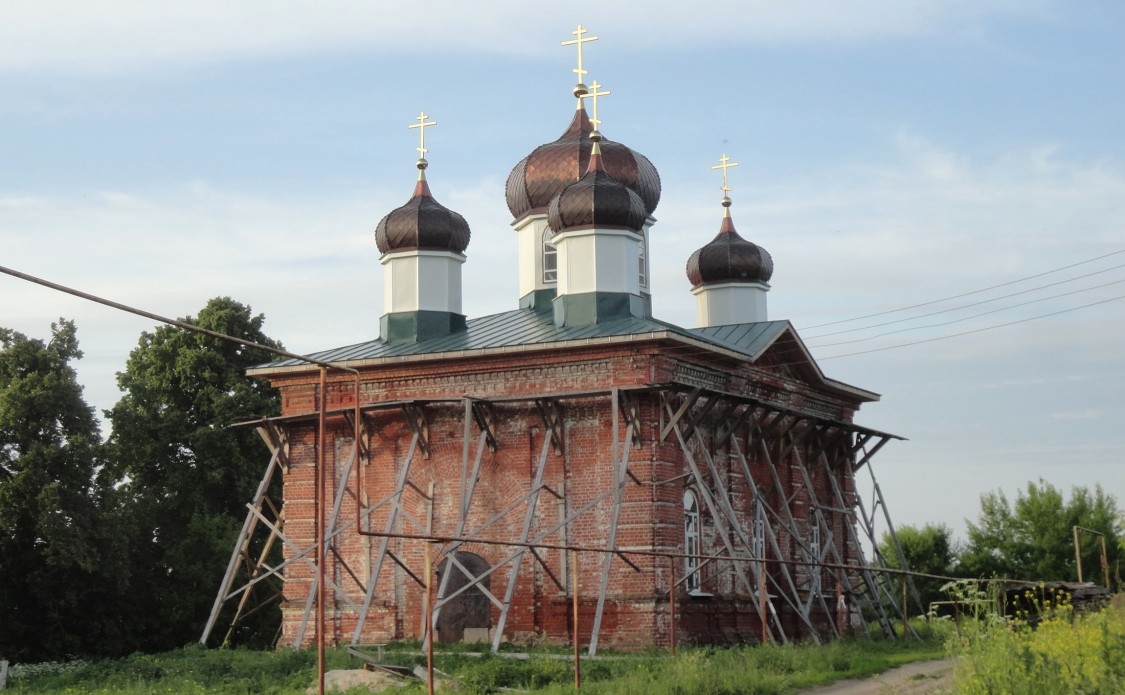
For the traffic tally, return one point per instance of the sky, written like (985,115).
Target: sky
(941,185)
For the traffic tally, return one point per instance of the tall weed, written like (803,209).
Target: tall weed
(1044,648)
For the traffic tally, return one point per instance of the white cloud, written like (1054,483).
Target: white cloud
(310,266)
(143,34)
(920,222)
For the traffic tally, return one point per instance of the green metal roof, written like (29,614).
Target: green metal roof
(526,327)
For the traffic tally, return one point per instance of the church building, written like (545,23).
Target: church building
(574,468)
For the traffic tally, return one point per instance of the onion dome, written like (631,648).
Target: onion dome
(596,200)
(729,258)
(550,168)
(423,223)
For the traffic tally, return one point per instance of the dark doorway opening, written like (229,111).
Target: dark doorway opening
(468,615)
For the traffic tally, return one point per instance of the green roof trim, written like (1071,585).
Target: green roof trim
(412,326)
(598,307)
(526,328)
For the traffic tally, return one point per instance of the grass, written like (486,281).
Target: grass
(188,670)
(768,669)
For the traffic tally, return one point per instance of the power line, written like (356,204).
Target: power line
(976,330)
(983,301)
(967,294)
(967,318)
(163,319)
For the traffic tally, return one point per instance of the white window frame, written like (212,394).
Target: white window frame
(693,578)
(549,251)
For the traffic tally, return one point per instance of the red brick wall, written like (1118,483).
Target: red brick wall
(636,612)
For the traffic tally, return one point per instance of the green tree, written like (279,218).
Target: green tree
(928,550)
(1033,538)
(63,574)
(188,473)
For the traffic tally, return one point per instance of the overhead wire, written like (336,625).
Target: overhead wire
(973,304)
(968,318)
(975,330)
(968,294)
(800,354)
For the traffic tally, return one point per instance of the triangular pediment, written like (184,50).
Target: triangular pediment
(787,356)
(776,347)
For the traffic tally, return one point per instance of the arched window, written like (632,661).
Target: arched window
(550,258)
(691,542)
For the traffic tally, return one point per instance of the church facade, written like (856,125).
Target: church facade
(573,468)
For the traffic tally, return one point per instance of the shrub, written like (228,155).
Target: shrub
(1044,648)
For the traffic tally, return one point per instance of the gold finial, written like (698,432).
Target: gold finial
(421,126)
(595,121)
(724,164)
(580,88)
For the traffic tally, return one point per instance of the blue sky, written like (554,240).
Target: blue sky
(890,152)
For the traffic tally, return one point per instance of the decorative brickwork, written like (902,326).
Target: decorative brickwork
(588,448)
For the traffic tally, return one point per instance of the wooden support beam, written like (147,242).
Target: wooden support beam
(416,420)
(674,418)
(631,414)
(694,417)
(547,568)
(721,417)
(551,412)
(529,518)
(420,581)
(396,499)
(619,459)
(482,415)
(277,441)
(730,425)
(763,512)
(349,420)
(867,454)
(627,561)
(242,544)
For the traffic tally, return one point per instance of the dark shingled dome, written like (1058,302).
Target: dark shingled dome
(729,258)
(596,200)
(550,168)
(423,223)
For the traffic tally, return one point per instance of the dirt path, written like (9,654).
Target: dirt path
(919,678)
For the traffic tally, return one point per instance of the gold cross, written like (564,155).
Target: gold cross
(594,94)
(421,126)
(724,164)
(579,41)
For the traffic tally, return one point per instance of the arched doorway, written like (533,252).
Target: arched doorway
(468,614)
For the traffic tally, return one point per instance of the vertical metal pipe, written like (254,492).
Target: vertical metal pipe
(762,603)
(356,415)
(1078,552)
(429,613)
(840,614)
(672,602)
(466,446)
(318,510)
(574,608)
(905,615)
(1105,563)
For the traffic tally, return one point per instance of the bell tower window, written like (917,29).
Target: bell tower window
(550,259)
